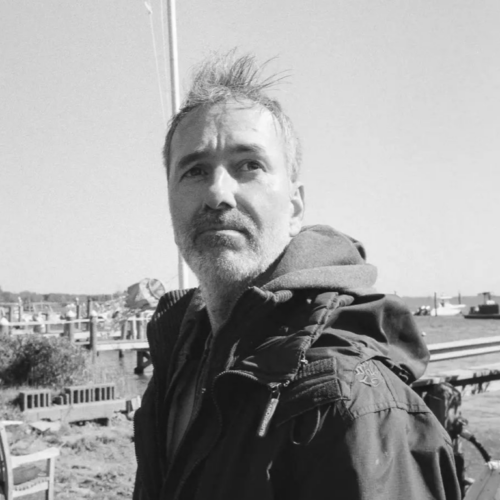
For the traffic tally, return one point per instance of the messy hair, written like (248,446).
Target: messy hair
(225,77)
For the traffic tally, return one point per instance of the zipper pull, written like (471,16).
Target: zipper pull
(303,360)
(272,403)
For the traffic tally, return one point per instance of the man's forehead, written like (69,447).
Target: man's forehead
(231,117)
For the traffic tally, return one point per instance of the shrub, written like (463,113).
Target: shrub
(9,408)
(37,360)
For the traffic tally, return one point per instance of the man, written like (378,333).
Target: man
(284,375)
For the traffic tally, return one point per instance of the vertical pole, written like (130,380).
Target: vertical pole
(139,369)
(139,326)
(174,71)
(78,313)
(93,337)
(4,325)
(435,304)
(133,320)
(71,329)
(89,308)
(174,89)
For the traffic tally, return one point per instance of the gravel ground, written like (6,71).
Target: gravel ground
(95,461)
(98,462)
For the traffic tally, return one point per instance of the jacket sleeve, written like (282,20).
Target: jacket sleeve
(394,454)
(148,476)
(389,453)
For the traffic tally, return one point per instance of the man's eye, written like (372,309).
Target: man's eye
(193,172)
(250,166)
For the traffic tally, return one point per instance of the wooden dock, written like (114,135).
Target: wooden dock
(92,335)
(130,335)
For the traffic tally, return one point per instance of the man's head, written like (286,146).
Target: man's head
(226,77)
(232,161)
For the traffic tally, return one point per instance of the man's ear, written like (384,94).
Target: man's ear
(297,207)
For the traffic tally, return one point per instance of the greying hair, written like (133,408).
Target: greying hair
(225,77)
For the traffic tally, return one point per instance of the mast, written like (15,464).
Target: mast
(183,270)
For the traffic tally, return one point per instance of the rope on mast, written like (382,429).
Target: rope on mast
(150,12)
(164,39)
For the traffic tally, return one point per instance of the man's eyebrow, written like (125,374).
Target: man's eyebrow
(236,149)
(248,148)
(191,158)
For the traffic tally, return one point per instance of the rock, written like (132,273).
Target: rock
(43,426)
(82,491)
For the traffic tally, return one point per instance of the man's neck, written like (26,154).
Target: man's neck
(221,294)
(220,301)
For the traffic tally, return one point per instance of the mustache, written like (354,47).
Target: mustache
(221,219)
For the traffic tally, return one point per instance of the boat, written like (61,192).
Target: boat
(489,309)
(445,308)
(423,311)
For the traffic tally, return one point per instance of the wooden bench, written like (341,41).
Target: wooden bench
(12,484)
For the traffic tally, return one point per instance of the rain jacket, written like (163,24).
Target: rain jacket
(306,391)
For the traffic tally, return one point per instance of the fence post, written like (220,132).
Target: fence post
(133,319)
(93,336)
(71,330)
(38,328)
(4,325)
(78,313)
(10,317)
(89,308)
(70,326)
(139,327)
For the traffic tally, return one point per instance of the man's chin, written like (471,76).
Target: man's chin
(224,264)
(225,255)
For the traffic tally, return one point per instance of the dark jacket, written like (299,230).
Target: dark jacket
(306,395)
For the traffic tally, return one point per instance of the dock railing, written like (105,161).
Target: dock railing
(130,334)
(445,351)
(96,330)
(83,330)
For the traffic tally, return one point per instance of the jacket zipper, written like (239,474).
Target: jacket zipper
(274,388)
(271,406)
(272,402)
(199,396)
(183,480)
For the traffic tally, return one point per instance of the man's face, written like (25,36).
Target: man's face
(233,206)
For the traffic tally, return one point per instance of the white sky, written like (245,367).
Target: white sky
(397,105)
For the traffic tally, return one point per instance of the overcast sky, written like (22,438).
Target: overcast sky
(397,105)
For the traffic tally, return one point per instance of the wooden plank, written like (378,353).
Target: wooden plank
(77,412)
(471,380)
(464,348)
(122,345)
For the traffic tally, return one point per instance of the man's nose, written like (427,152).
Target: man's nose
(221,191)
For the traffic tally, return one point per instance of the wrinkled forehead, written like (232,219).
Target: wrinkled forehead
(229,122)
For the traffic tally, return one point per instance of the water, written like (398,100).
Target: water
(111,367)
(447,329)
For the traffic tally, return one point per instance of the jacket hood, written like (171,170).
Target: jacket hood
(323,258)
(320,257)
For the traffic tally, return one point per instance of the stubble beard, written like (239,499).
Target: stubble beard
(227,262)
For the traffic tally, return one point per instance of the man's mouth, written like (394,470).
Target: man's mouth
(222,227)
(221,234)
(221,230)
